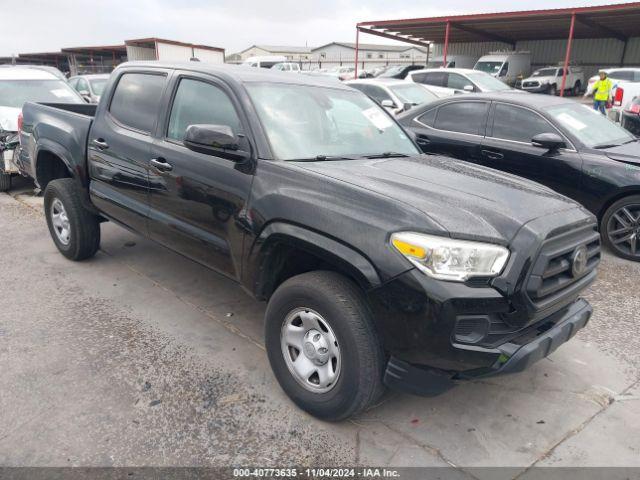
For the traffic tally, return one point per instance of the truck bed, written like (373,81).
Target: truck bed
(63,128)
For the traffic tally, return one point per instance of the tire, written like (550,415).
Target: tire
(361,361)
(5,181)
(620,228)
(577,88)
(82,227)
(553,90)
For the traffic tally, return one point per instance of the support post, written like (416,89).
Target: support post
(355,73)
(446,44)
(568,55)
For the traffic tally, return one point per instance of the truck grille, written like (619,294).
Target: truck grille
(530,84)
(565,265)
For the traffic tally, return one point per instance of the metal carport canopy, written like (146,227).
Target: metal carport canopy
(619,21)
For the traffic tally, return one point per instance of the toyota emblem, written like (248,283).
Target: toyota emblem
(579,261)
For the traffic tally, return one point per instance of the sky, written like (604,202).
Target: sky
(45,26)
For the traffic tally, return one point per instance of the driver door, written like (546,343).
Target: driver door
(507,147)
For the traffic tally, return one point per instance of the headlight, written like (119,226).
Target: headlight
(447,259)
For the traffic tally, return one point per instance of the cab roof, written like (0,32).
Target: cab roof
(20,73)
(242,73)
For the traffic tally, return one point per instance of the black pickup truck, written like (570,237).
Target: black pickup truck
(381,265)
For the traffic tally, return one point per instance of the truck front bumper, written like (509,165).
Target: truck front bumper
(516,355)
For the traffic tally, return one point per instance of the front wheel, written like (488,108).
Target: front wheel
(620,228)
(322,345)
(75,230)
(553,90)
(577,88)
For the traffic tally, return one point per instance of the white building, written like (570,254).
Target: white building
(369,55)
(172,51)
(293,54)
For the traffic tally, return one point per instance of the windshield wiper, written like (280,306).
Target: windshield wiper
(631,141)
(322,158)
(606,145)
(386,155)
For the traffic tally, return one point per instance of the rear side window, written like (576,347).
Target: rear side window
(518,124)
(136,99)
(622,75)
(462,117)
(428,118)
(198,102)
(431,78)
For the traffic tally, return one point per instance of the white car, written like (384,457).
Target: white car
(17,86)
(626,87)
(394,95)
(452,81)
(287,67)
(549,80)
(90,86)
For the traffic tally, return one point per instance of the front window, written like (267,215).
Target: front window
(589,126)
(487,83)
(545,72)
(14,93)
(491,68)
(305,122)
(97,85)
(413,94)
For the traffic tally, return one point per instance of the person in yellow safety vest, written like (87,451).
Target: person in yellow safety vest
(602,91)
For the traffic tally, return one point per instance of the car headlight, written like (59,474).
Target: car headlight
(448,259)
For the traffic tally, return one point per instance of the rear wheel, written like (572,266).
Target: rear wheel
(5,181)
(75,230)
(577,88)
(620,228)
(322,345)
(552,90)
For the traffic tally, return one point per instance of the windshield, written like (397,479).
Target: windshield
(590,127)
(413,93)
(392,71)
(545,72)
(487,83)
(14,93)
(97,85)
(488,67)
(305,122)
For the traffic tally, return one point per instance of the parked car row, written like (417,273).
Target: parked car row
(382,266)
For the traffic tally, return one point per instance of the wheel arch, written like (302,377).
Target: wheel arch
(283,250)
(52,161)
(618,195)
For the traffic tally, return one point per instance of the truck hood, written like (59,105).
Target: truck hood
(465,200)
(629,153)
(540,79)
(9,119)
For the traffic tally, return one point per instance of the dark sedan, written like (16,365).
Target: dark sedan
(560,143)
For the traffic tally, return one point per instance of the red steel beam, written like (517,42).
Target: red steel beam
(446,44)
(355,74)
(394,37)
(568,55)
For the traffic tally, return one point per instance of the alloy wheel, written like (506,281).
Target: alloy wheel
(60,222)
(623,230)
(310,349)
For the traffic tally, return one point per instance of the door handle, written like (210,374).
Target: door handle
(492,155)
(423,140)
(100,143)
(161,164)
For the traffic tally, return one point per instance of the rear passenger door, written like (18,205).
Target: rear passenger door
(454,129)
(508,147)
(435,80)
(119,147)
(197,200)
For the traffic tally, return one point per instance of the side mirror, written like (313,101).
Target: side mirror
(216,140)
(406,106)
(468,88)
(549,141)
(388,104)
(86,95)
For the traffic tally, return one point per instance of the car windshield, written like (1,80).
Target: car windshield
(413,93)
(306,122)
(488,67)
(591,127)
(545,72)
(14,93)
(392,71)
(487,83)
(97,85)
